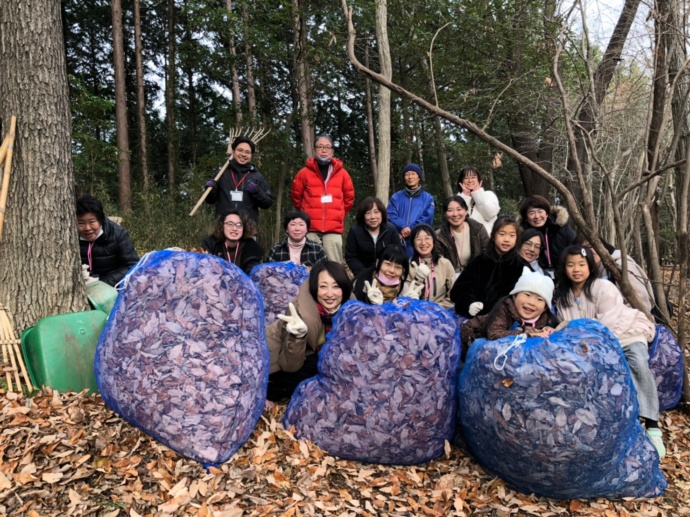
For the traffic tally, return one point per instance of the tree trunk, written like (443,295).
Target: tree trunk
(123,173)
(236,103)
(303,83)
(141,99)
(371,131)
(170,97)
(33,86)
(384,114)
(525,142)
(251,95)
(438,137)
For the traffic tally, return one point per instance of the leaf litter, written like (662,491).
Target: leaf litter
(110,468)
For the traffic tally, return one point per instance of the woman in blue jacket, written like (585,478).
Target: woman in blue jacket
(411,206)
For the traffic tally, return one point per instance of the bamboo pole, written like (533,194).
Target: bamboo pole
(3,148)
(6,362)
(209,189)
(12,354)
(6,175)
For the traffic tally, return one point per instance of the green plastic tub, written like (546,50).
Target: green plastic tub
(59,350)
(101,296)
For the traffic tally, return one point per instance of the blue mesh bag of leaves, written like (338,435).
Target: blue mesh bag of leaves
(183,355)
(666,363)
(558,417)
(279,283)
(386,388)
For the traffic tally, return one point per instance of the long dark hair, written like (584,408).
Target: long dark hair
(337,272)
(396,255)
(435,254)
(564,284)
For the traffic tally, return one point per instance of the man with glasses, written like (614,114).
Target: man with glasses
(323,190)
(241,186)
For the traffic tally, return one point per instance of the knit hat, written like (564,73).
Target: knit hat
(536,283)
(415,168)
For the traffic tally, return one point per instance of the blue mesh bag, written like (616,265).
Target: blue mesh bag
(558,416)
(183,355)
(386,388)
(279,283)
(666,363)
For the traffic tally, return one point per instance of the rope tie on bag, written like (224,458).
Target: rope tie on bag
(122,284)
(519,340)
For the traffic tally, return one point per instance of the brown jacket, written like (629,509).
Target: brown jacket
(479,241)
(501,326)
(288,352)
(439,292)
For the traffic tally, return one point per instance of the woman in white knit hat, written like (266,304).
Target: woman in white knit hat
(525,310)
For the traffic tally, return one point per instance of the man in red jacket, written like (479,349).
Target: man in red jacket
(324,190)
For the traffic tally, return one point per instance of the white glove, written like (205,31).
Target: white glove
(88,279)
(374,294)
(422,272)
(475,308)
(295,325)
(415,291)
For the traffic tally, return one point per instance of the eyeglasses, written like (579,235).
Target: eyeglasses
(323,147)
(532,245)
(423,239)
(230,224)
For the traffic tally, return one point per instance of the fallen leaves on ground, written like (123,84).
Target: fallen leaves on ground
(70,455)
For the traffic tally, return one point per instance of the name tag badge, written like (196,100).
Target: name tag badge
(327,199)
(236,195)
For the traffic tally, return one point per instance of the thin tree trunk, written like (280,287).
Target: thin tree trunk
(438,137)
(236,102)
(371,131)
(123,171)
(40,203)
(251,95)
(170,96)
(141,99)
(384,104)
(303,83)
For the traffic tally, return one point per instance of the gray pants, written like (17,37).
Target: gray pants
(637,355)
(332,244)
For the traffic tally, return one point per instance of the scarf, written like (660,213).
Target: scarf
(390,293)
(295,249)
(326,317)
(414,192)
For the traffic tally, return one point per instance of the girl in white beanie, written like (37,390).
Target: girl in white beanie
(526,310)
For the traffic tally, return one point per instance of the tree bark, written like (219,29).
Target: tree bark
(141,99)
(384,114)
(303,83)
(170,97)
(236,103)
(123,171)
(439,139)
(33,86)
(251,92)
(371,130)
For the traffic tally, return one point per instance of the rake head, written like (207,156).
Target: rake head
(255,135)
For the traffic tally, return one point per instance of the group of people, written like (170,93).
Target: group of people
(505,275)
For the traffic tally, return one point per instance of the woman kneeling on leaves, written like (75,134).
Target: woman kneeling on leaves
(384,281)
(295,339)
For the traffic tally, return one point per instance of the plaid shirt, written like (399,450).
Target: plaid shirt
(312,253)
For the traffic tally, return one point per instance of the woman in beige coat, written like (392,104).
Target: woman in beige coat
(295,339)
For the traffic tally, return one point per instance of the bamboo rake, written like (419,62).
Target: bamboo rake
(12,355)
(4,190)
(255,135)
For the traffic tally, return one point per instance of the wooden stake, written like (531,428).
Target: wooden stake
(6,175)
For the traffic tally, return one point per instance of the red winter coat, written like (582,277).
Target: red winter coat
(309,187)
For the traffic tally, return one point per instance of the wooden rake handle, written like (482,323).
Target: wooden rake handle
(209,189)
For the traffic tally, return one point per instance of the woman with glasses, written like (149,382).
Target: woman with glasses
(429,269)
(552,222)
(529,248)
(460,238)
(231,239)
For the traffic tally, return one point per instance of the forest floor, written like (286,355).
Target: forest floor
(71,455)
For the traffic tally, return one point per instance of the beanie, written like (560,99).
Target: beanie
(536,283)
(415,168)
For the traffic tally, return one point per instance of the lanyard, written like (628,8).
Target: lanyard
(237,185)
(548,253)
(89,257)
(227,253)
(428,283)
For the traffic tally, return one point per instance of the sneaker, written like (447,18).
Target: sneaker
(657,441)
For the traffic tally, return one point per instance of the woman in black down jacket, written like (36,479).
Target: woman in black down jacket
(370,235)
(103,245)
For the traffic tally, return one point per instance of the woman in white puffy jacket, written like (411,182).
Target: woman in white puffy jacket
(482,204)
